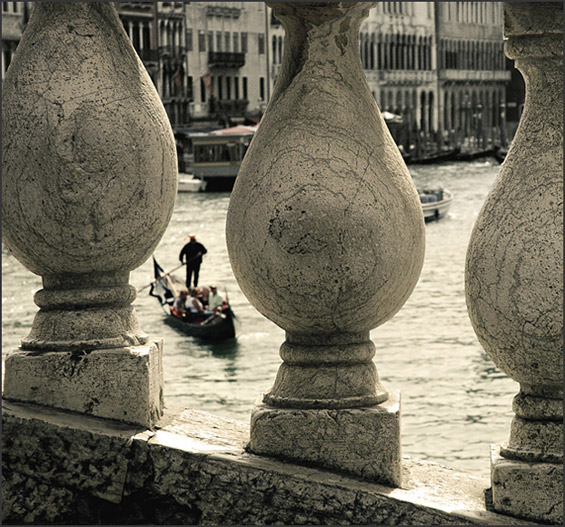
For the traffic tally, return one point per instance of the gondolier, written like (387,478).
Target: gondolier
(192,254)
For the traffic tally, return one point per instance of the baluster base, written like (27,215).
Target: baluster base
(124,384)
(364,442)
(527,489)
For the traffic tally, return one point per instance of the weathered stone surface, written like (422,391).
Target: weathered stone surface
(89,173)
(514,268)
(359,441)
(527,490)
(325,235)
(124,384)
(72,469)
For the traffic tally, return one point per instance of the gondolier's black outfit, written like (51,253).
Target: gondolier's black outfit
(192,254)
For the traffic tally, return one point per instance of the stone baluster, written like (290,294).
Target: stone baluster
(326,238)
(514,272)
(88,187)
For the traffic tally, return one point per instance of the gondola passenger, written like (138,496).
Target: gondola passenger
(215,299)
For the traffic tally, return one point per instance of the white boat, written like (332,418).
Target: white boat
(188,183)
(435,203)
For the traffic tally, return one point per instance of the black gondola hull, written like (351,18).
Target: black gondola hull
(219,328)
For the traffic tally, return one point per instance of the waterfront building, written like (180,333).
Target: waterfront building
(158,34)
(397,44)
(440,66)
(227,55)
(472,74)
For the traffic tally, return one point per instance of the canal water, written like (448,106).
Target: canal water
(455,402)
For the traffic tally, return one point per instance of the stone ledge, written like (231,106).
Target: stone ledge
(193,469)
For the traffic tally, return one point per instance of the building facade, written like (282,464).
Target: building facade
(438,66)
(228,58)
(472,72)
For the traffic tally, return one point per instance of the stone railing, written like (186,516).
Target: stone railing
(330,219)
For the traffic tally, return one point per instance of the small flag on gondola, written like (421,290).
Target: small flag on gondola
(161,288)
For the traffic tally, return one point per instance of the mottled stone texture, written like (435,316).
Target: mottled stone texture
(518,484)
(88,187)
(325,231)
(88,175)
(193,469)
(124,384)
(360,441)
(514,274)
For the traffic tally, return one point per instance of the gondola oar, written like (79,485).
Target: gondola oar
(162,276)
(167,274)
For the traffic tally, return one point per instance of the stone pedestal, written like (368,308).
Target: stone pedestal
(123,384)
(530,490)
(360,441)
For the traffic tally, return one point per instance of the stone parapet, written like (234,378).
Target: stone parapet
(194,469)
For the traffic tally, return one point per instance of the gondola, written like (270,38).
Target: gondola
(216,327)
(211,327)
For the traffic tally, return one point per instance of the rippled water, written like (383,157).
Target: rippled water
(455,402)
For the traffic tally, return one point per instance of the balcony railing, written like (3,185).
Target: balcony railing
(148,55)
(171,51)
(229,12)
(229,107)
(220,59)
(471,75)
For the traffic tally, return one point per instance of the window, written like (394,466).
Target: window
(236,42)
(202,90)
(244,42)
(189,39)
(274,55)
(261,42)
(227,41)
(262,88)
(201,41)
(245,88)
(218,41)
(190,88)
(220,88)
(228,87)
(236,87)
(210,41)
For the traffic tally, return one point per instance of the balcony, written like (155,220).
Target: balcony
(230,107)
(228,12)
(408,77)
(220,59)
(148,55)
(473,75)
(171,51)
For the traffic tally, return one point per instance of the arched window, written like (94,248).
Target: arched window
(274,49)
(453,124)
(430,111)
(423,111)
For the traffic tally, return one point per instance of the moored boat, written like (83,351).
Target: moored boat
(435,203)
(189,183)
